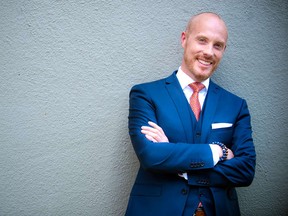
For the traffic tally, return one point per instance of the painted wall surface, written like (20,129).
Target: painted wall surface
(66,71)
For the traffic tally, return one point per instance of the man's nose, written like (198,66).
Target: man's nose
(208,50)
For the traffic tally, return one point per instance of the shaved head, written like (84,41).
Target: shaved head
(205,15)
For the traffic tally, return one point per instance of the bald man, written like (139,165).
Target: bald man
(193,138)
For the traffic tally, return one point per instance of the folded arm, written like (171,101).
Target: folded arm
(170,157)
(156,134)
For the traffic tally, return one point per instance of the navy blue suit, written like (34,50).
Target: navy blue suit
(158,189)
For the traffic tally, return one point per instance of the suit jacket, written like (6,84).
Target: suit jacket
(158,190)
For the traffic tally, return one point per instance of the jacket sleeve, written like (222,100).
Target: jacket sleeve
(161,157)
(238,171)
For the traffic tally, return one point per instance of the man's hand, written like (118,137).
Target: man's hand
(220,151)
(230,155)
(154,133)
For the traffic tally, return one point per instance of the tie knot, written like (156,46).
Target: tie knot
(196,86)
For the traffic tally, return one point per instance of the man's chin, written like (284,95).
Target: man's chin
(202,77)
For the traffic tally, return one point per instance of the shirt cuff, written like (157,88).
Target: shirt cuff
(183,175)
(215,153)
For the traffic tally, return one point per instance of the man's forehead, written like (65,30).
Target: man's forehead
(208,23)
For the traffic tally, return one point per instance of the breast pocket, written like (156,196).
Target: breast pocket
(223,135)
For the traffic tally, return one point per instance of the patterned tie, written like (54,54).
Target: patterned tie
(194,101)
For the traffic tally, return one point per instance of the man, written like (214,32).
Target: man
(191,162)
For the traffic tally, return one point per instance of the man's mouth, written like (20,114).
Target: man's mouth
(206,63)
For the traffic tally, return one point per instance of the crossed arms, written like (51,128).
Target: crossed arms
(156,134)
(158,152)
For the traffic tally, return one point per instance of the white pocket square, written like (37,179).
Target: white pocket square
(221,125)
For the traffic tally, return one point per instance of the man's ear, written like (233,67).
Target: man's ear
(183,38)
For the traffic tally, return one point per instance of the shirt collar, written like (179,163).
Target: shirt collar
(185,80)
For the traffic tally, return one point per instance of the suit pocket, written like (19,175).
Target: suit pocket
(146,190)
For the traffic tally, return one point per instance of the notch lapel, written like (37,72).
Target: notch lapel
(176,93)
(209,110)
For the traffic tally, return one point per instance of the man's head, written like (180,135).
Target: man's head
(204,43)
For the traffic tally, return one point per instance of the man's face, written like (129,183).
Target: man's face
(204,46)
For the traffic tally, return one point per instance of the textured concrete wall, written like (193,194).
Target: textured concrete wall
(66,71)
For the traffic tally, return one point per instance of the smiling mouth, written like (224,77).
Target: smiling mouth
(205,63)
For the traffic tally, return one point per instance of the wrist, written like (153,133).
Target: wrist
(224,151)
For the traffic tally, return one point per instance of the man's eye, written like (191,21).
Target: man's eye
(201,40)
(219,46)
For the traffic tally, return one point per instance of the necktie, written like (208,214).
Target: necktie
(194,101)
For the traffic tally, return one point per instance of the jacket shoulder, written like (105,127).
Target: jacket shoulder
(225,93)
(156,83)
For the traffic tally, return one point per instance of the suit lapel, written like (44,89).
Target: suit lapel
(209,109)
(176,93)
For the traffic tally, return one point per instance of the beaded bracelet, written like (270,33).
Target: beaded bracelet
(224,149)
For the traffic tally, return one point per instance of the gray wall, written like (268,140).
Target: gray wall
(66,71)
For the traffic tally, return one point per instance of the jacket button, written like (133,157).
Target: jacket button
(184,191)
(194,165)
